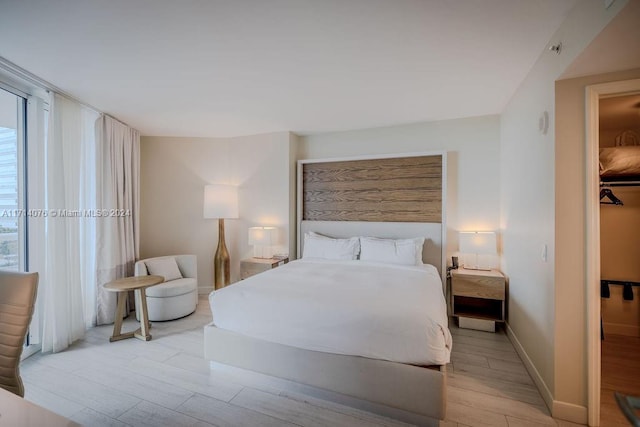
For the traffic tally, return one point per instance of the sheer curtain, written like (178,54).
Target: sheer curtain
(91,167)
(118,178)
(67,301)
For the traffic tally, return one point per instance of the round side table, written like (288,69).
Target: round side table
(138,284)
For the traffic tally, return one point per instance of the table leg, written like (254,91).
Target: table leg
(144,316)
(117,324)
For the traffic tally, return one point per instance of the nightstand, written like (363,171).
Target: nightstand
(252,266)
(478,298)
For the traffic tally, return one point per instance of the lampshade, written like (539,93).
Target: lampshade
(477,246)
(220,201)
(478,242)
(262,236)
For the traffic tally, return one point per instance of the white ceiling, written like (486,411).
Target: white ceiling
(236,67)
(623,32)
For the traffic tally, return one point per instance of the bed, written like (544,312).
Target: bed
(383,311)
(270,323)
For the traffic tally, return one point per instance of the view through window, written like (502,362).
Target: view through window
(12,214)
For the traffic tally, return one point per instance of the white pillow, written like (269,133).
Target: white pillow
(620,161)
(319,246)
(392,251)
(165,267)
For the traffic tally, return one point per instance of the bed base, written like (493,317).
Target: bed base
(404,392)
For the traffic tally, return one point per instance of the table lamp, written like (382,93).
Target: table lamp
(221,202)
(475,243)
(261,238)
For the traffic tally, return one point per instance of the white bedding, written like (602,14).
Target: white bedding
(620,161)
(380,311)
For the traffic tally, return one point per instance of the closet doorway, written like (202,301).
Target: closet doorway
(619,144)
(613,247)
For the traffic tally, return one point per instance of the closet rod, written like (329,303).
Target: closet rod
(619,282)
(619,183)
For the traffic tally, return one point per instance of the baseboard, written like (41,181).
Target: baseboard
(561,410)
(570,412)
(204,290)
(621,329)
(533,372)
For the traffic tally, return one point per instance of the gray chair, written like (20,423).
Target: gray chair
(17,301)
(172,299)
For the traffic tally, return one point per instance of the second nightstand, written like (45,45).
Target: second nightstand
(478,298)
(252,266)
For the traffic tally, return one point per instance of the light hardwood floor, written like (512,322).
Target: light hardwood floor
(620,372)
(166,382)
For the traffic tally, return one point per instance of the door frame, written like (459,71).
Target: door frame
(592,256)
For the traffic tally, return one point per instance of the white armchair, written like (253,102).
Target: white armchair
(173,298)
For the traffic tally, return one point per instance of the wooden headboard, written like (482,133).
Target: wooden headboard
(349,193)
(401,189)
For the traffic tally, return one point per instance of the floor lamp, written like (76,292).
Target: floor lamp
(221,202)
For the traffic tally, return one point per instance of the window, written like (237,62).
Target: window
(12,183)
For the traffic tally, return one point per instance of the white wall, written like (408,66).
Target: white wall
(174,172)
(473,151)
(607,137)
(545,315)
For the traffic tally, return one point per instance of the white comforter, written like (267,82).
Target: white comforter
(379,311)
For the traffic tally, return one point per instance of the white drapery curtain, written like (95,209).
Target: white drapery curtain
(91,227)
(68,303)
(118,180)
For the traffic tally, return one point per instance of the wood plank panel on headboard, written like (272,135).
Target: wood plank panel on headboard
(402,189)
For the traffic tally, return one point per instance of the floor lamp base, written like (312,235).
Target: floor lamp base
(221,262)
